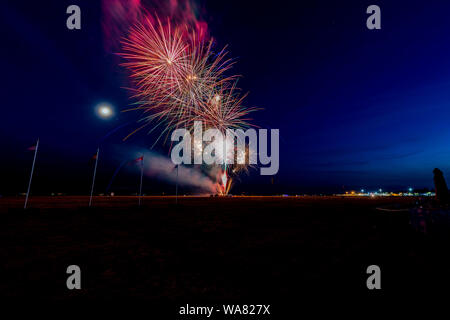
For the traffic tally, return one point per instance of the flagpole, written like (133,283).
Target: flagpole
(31,175)
(93,179)
(176,186)
(142,174)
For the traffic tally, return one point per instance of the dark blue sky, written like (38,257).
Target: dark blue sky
(356,108)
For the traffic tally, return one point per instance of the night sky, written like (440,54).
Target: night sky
(356,108)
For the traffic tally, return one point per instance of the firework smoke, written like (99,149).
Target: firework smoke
(163,168)
(160,167)
(118,16)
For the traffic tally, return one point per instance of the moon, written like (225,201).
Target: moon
(105,111)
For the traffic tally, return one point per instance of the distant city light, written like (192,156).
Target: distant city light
(381,193)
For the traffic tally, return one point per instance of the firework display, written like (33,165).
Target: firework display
(179,79)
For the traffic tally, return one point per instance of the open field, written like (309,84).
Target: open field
(214,249)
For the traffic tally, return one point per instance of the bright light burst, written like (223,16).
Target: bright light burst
(156,57)
(179,79)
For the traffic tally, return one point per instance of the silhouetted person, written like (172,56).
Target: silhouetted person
(440,186)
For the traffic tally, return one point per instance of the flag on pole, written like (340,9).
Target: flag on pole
(35,149)
(32,148)
(93,178)
(176,185)
(135,161)
(141,160)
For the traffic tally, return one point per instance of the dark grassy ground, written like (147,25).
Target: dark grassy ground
(250,249)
